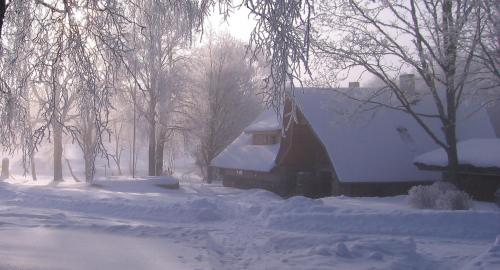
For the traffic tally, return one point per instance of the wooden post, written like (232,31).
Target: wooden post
(5,169)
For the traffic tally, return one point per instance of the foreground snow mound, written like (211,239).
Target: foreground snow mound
(306,215)
(489,260)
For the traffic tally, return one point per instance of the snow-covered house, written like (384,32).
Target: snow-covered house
(362,149)
(337,145)
(479,165)
(249,161)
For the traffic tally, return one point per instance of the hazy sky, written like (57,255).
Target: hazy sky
(238,24)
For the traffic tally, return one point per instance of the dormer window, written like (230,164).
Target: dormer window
(265,138)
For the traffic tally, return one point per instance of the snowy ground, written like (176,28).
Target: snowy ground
(125,224)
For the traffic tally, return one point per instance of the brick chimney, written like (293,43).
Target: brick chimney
(407,83)
(353,84)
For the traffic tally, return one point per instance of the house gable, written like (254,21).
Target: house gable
(301,149)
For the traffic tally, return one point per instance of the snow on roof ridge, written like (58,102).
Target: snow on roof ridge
(242,154)
(268,120)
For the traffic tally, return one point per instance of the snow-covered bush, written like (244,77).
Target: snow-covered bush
(423,197)
(443,186)
(440,195)
(454,200)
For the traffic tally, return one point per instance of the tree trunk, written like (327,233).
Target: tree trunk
(119,167)
(118,155)
(89,151)
(160,145)
(133,160)
(58,150)
(89,175)
(452,153)
(71,171)
(88,157)
(152,149)
(210,174)
(450,54)
(152,138)
(131,153)
(5,169)
(33,167)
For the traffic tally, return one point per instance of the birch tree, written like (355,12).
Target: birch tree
(71,42)
(63,33)
(159,50)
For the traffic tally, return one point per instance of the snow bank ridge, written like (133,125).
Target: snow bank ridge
(302,214)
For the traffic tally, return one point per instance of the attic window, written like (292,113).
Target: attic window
(265,139)
(405,135)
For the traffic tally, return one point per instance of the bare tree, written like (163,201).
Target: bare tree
(488,53)
(226,97)
(90,35)
(282,32)
(158,53)
(118,147)
(435,39)
(71,43)
(282,36)
(15,84)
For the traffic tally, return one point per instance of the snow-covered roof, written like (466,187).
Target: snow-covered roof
(480,153)
(265,122)
(243,155)
(367,144)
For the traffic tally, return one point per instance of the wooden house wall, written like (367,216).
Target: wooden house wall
(246,179)
(300,149)
(480,183)
(481,187)
(374,189)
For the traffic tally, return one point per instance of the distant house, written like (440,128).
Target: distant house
(479,166)
(337,145)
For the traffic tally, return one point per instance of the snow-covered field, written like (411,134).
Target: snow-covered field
(133,224)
